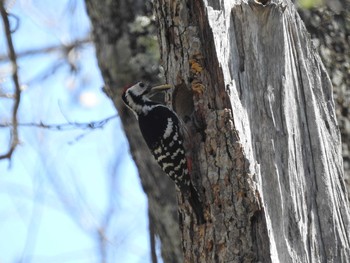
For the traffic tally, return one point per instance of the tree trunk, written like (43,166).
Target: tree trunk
(127,53)
(265,143)
(329,26)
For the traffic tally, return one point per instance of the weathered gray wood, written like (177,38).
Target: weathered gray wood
(329,27)
(295,140)
(264,137)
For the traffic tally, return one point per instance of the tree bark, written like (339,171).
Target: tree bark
(262,133)
(127,52)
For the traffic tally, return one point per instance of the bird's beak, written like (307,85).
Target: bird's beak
(161,88)
(156,89)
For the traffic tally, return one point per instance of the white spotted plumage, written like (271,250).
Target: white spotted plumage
(160,128)
(169,128)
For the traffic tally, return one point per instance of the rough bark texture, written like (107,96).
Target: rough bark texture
(265,143)
(126,49)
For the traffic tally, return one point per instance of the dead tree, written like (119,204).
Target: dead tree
(265,140)
(262,132)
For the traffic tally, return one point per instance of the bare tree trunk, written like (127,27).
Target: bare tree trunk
(265,143)
(121,35)
(329,26)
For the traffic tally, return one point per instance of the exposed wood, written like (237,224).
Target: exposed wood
(329,26)
(264,138)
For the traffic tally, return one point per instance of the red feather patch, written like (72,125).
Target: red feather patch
(126,87)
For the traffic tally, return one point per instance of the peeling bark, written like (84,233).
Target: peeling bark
(262,133)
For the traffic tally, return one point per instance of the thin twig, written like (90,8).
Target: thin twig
(54,48)
(64,126)
(12,56)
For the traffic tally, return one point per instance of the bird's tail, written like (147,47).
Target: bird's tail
(193,198)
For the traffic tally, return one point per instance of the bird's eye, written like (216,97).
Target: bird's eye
(141,85)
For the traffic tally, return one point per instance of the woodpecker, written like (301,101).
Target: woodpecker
(160,128)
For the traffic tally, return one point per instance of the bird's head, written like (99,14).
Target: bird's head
(137,96)
(138,90)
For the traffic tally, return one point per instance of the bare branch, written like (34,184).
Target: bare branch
(13,59)
(64,126)
(65,48)
(7,95)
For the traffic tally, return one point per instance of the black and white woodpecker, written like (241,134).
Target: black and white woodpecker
(161,130)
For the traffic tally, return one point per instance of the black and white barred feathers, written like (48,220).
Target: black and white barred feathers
(160,128)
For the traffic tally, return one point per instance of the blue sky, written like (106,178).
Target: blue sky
(62,185)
